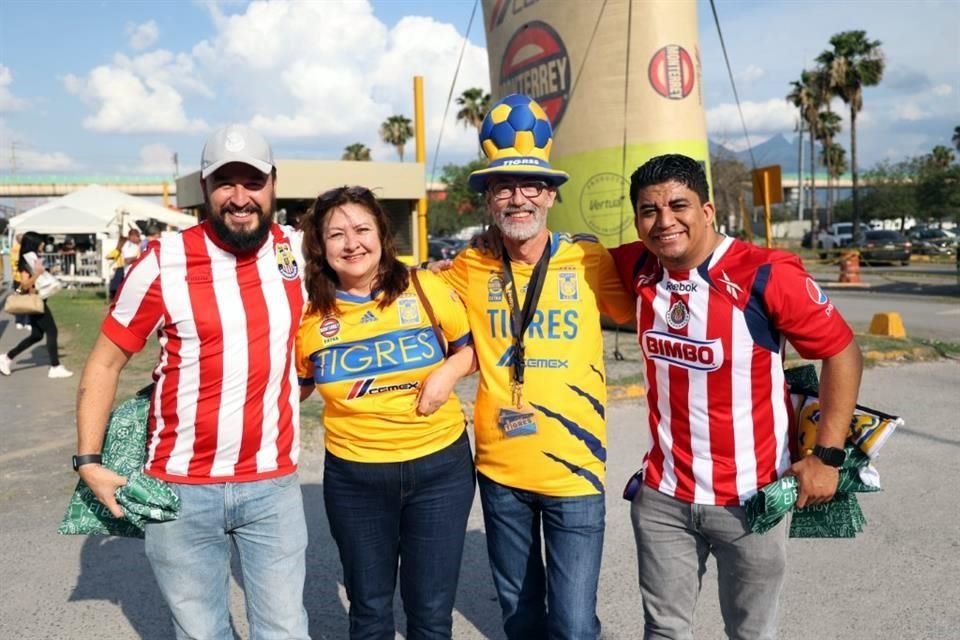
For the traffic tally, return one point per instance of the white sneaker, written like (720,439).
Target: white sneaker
(21,326)
(59,371)
(4,364)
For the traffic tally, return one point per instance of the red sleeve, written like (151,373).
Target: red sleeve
(804,314)
(138,308)
(626,257)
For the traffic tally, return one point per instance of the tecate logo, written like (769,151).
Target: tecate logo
(698,355)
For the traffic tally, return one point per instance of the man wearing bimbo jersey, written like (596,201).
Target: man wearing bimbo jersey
(712,317)
(539,418)
(226,298)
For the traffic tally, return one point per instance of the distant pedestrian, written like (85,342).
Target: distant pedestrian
(22,319)
(29,267)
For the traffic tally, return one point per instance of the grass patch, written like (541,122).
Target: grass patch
(79,314)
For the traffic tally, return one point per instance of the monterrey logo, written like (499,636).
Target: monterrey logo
(815,292)
(682,351)
(671,72)
(536,63)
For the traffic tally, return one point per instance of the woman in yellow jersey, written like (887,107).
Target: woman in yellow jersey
(398,477)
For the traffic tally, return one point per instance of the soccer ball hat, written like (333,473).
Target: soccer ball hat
(516,137)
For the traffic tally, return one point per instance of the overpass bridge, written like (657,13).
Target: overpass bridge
(26,186)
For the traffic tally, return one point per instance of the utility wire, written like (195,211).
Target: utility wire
(726,59)
(586,54)
(453,83)
(617,354)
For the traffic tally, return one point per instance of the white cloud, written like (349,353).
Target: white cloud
(942,90)
(909,111)
(157,159)
(335,72)
(28,159)
(142,36)
(750,74)
(8,101)
(140,95)
(763,119)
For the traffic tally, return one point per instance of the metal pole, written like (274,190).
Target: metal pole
(422,159)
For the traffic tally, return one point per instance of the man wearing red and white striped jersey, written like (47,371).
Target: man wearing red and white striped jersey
(713,314)
(225,299)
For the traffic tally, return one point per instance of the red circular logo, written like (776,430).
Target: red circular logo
(536,63)
(329,327)
(671,72)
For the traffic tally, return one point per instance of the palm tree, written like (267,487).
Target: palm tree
(854,62)
(956,137)
(941,157)
(358,152)
(828,125)
(474,104)
(808,97)
(396,130)
(835,158)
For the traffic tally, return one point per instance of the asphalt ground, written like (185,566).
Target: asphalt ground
(898,579)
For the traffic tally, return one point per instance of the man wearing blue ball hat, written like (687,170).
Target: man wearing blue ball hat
(534,302)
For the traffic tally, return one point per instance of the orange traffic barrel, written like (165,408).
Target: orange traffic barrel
(850,267)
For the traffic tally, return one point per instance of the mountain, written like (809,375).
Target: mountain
(776,150)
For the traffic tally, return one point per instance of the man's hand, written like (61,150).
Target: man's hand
(816,481)
(436,266)
(489,241)
(104,484)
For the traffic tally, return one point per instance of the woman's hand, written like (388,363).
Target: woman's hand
(435,390)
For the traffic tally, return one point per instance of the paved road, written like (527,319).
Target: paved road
(898,579)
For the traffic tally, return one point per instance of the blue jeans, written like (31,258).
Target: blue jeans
(557,602)
(674,539)
(410,513)
(190,558)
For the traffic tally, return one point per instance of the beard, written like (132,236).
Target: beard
(241,241)
(521,230)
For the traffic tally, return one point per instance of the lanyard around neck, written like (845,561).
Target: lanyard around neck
(520,319)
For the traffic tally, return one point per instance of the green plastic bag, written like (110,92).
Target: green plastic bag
(142,499)
(842,516)
(839,518)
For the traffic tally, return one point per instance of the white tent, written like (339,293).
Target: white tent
(96,210)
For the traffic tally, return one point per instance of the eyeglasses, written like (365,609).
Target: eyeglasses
(527,189)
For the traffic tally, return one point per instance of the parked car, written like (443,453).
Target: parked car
(443,248)
(932,242)
(837,235)
(883,246)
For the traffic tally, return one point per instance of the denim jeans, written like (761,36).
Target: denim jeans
(557,602)
(674,539)
(190,557)
(410,513)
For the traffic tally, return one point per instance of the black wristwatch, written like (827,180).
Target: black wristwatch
(830,455)
(89,458)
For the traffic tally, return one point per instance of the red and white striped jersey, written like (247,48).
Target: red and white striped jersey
(720,421)
(226,403)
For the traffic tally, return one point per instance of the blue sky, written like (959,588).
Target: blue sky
(119,87)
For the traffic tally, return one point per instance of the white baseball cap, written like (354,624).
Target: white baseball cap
(236,143)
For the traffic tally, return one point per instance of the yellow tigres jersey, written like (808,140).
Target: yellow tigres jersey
(564,379)
(368,364)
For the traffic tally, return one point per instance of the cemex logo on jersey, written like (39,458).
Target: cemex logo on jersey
(685,352)
(365,387)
